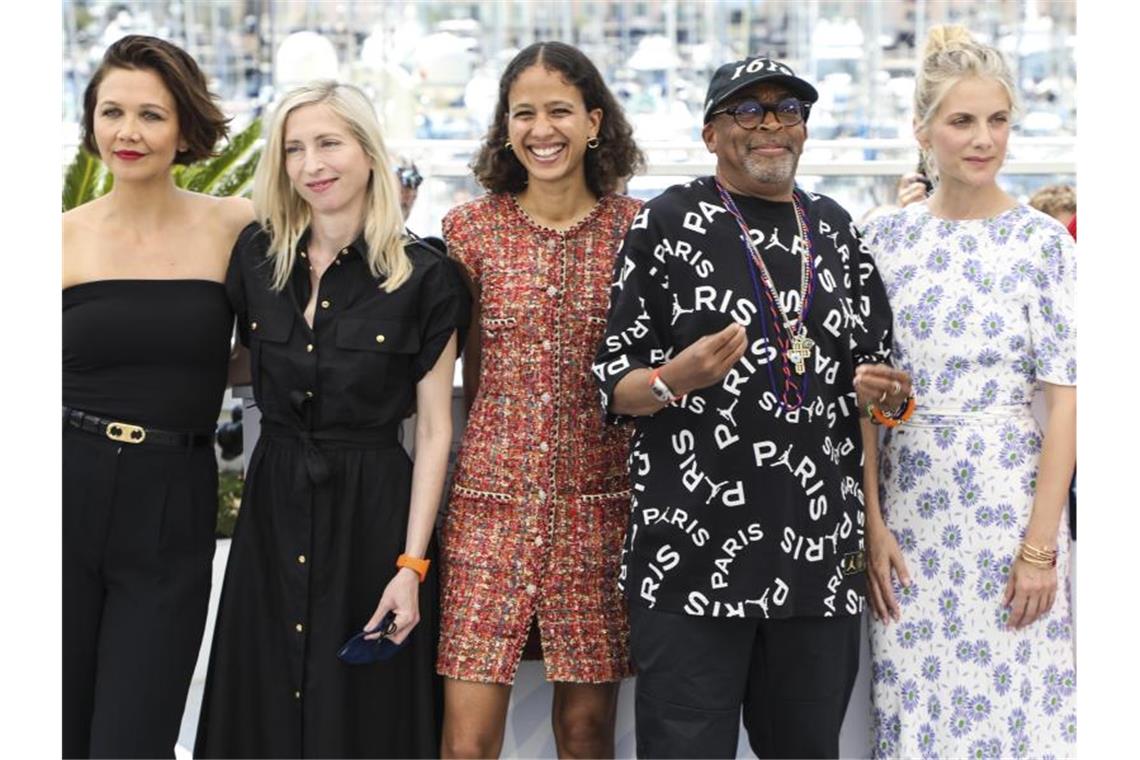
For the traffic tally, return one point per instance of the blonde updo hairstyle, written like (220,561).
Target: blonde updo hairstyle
(285,215)
(951,55)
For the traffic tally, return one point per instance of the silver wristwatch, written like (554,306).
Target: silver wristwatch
(660,390)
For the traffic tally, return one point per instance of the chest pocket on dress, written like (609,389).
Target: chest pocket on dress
(374,356)
(269,334)
(385,336)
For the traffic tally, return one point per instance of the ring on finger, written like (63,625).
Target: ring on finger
(883,397)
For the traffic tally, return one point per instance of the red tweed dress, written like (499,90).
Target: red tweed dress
(540,500)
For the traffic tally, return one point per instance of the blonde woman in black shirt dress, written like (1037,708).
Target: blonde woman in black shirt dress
(146,338)
(348,323)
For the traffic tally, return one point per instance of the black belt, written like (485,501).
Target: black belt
(126,432)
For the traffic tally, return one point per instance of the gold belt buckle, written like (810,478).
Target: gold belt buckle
(125,433)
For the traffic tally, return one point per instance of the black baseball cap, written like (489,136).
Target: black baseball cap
(738,75)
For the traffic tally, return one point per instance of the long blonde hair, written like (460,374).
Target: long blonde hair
(950,55)
(286,216)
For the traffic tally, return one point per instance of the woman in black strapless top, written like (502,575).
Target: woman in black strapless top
(146,340)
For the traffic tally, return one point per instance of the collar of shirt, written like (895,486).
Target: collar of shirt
(358,248)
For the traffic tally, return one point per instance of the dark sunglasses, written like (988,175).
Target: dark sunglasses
(749,114)
(409,177)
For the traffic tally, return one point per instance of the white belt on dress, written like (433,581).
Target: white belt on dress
(944,416)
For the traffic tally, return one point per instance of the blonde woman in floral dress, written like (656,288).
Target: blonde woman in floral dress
(971,644)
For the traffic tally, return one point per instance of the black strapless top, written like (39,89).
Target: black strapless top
(151,352)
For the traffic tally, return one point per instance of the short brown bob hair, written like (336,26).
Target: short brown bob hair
(200,122)
(617,156)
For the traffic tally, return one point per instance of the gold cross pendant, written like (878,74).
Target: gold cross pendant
(800,351)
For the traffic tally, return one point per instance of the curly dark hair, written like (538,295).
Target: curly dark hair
(617,156)
(201,122)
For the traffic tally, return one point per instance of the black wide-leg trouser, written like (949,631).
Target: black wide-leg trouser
(138,545)
(792,678)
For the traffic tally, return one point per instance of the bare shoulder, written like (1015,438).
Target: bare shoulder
(218,221)
(227,215)
(82,233)
(81,217)
(235,212)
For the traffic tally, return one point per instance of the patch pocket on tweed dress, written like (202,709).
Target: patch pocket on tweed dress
(472,493)
(601,524)
(596,497)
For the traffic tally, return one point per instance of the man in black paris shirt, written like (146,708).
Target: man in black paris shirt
(743,560)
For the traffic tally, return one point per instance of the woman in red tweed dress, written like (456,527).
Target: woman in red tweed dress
(539,505)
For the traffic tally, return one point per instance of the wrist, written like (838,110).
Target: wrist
(669,375)
(873,517)
(1042,539)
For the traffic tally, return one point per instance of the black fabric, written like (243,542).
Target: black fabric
(150,352)
(324,516)
(791,680)
(739,507)
(138,520)
(463,319)
(1073,506)
(138,546)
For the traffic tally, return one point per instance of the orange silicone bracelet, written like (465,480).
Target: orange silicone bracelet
(882,418)
(420,566)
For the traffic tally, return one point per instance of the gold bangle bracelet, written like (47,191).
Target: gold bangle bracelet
(1036,560)
(1036,553)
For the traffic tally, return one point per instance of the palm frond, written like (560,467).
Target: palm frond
(80,179)
(239,180)
(106,181)
(211,175)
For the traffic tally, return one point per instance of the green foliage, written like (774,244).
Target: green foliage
(212,174)
(228,173)
(84,178)
(230,486)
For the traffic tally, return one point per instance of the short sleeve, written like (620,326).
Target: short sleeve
(455,274)
(637,335)
(1051,307)
(235,281)
(457,235)
(438,315)
(463,295)
(872,334)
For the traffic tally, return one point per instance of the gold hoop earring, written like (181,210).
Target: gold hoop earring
(507,145)
(593,142)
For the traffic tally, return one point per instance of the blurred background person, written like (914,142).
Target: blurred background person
(914,186)
(1059,202)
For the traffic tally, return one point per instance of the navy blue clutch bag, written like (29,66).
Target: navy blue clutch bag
(361,651)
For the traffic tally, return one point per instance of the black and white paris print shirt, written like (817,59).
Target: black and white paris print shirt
(742,507)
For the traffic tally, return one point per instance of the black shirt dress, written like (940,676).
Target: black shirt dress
(325,512)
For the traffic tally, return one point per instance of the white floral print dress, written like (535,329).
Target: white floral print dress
(984,311)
